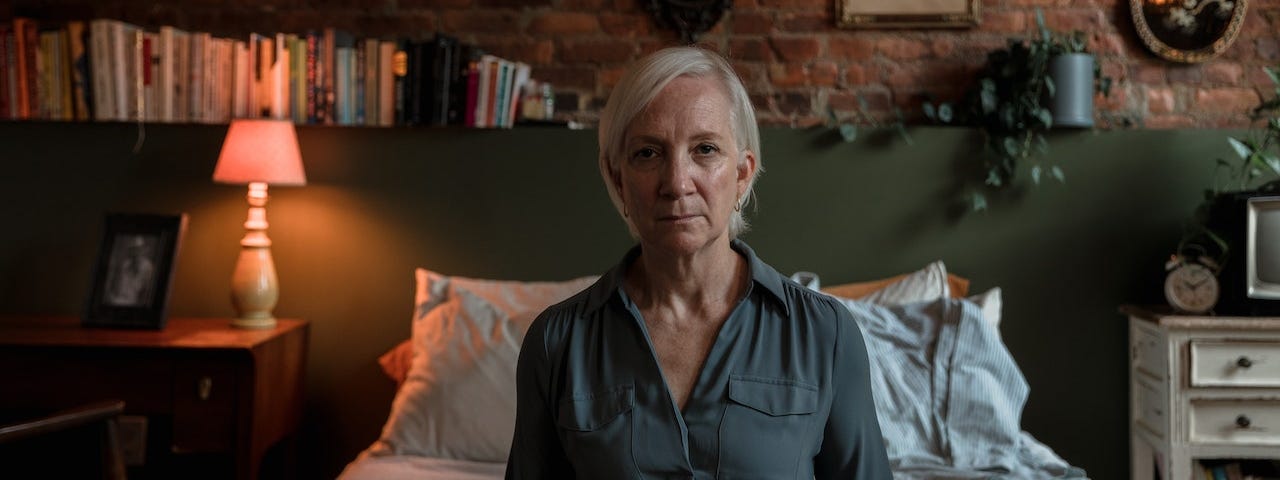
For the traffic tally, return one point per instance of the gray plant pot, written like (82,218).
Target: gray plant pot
(1072,74)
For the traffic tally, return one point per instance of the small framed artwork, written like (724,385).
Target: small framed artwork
(908,13)
(134,270)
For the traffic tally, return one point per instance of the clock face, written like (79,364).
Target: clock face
(1191,288)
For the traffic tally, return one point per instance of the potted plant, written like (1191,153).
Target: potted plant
(1012,100)
(1256,169)
(1258,148)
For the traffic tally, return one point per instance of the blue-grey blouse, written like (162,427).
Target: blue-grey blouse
(784,392)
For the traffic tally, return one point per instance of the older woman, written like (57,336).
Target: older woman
(691,358)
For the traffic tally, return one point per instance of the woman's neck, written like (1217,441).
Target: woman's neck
(687,286)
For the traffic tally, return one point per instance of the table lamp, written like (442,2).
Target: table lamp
(258,153)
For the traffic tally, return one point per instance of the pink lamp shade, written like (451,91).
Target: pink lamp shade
(260,151)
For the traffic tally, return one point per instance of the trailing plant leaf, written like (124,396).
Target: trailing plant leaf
(848,132)
(978,201)
(945,113)
(1241,149)
(1058,174)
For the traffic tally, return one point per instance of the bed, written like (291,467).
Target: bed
(948,394)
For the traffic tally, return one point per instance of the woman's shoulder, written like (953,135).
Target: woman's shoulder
(562,315)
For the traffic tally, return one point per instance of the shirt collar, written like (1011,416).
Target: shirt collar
(610,284)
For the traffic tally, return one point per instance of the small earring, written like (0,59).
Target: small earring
(737,206)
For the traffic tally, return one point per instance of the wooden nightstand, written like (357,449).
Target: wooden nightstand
(208,391)
(1201,388)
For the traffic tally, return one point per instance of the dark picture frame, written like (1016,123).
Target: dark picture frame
(908,13)
(1188,32)
(134,270)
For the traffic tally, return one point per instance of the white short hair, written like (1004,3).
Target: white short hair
(642,82)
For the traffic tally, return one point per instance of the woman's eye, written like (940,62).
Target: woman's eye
(645,157)
(706,149)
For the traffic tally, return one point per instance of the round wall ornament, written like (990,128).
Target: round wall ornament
(688,17)
(1188,31)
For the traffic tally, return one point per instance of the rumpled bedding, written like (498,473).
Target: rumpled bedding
(949,395)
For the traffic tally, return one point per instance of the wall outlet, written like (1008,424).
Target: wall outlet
(132,431)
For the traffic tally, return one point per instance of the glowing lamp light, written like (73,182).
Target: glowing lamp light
(258,153)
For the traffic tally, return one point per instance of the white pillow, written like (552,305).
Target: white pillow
(458,399)
(991,302)
(928,283)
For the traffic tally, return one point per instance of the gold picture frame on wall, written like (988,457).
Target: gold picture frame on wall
(1188,31)
(908,13)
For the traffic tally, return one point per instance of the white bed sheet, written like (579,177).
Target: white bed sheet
(412,467)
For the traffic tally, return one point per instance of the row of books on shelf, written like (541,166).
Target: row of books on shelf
(1236,470)
(109,70)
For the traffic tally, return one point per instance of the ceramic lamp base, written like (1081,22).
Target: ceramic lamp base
(254,288)
(255,323)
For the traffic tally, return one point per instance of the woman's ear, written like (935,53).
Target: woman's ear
(746,171)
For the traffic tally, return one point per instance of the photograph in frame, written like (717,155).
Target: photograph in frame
(133,274)
(908,13)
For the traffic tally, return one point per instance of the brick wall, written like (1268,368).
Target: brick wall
(795,62)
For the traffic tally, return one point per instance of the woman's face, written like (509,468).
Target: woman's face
(682,173)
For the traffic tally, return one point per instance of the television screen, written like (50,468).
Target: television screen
(1263,249)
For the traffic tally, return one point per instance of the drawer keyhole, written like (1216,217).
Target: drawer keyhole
(204,387)
(1244,362)
(1243,421)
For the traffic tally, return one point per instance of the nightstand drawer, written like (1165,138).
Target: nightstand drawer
(1235,364)
(204,399)
(1235,422)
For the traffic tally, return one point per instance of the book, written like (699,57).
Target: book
(473,87)
(148,57)
(181,76)
(298,77)
(128,55)
(6,38)
(521,77)
(386,83)
(415,92)
(499,112)
(400,72)
(196,66)
(280,63)
(240,96)
(314,111)
(78,64)
(326,76)
(460,96)
(343,97)
(359,70)
(372,81)
(165,73)
(24,67)
(442,68)
(487,86)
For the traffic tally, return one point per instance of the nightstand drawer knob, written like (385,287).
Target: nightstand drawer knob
(204,387)
(1243,421)
(1244,362)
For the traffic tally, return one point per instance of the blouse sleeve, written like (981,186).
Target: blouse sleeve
(536,452)
(852,445)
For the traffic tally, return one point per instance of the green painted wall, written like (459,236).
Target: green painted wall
(528,204)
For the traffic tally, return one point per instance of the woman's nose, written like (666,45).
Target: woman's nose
(677,176)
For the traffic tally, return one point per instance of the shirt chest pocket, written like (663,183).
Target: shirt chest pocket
(768,425)
(595,429)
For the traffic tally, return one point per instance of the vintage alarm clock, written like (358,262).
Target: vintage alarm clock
(1191,285)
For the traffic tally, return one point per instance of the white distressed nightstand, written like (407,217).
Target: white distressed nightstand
(1201,388)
